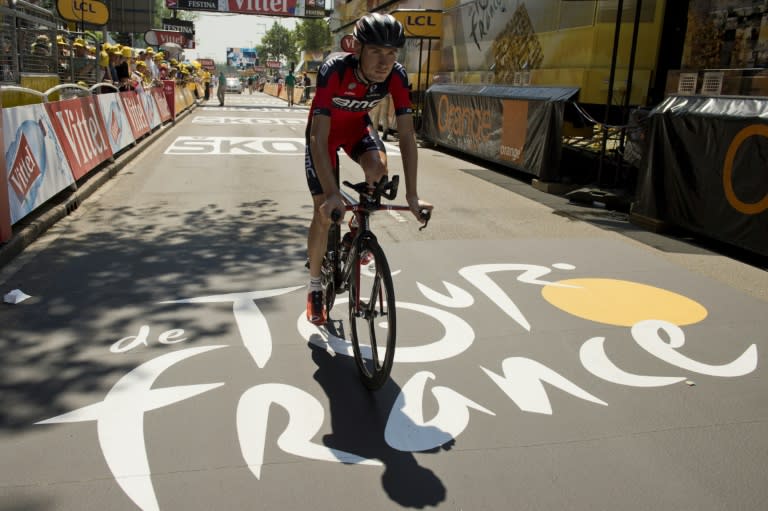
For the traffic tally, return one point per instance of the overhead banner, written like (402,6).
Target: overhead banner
(706,168)
(293,8)
(514,126)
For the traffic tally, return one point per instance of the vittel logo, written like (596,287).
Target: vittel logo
(355,105)
(24,171)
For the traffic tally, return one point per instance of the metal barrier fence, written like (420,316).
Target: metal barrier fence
(32,42)
(28,36)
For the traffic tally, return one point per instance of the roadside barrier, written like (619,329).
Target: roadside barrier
(53,145)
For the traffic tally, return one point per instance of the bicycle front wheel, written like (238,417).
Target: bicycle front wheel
(372,315)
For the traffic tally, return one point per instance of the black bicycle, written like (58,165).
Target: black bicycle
(359,266)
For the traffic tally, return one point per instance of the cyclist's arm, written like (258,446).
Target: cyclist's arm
(409,153)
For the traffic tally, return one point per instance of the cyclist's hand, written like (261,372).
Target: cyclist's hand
(333,203)
(417,206)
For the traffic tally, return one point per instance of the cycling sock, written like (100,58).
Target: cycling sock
(314,284)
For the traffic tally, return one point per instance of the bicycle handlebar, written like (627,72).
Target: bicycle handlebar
(384,188)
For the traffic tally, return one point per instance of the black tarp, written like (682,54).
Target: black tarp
(706,168)
(519,127)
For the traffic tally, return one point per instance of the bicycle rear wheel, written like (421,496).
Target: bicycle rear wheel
(372,316)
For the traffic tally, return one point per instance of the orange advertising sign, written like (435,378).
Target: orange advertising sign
(514,128)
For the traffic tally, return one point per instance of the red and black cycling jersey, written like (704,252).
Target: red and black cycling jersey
(344,97)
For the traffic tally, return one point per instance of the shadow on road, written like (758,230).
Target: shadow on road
(358,421)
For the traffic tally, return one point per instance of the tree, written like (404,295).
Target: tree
(278,44)
(313,35)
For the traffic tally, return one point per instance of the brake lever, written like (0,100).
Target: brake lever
(389,190)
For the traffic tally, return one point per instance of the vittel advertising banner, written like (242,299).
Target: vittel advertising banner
(150,108)
(81,132)
(36,167)
(134,112)
(158,95)
(119,133)
(301,8)
(5,208)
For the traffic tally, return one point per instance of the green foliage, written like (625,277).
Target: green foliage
(313,35)
(278,43)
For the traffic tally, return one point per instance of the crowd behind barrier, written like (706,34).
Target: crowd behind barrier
(51,145)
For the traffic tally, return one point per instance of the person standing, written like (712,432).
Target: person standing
(290,83)
(222,85)
(307,82)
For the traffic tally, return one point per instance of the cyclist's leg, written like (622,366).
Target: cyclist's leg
(371,155)
(316,240)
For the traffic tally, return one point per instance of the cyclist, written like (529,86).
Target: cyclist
(348,87)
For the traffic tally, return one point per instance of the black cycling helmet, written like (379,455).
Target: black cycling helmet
(380,30)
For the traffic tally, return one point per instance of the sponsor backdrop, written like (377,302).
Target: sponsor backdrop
(516,127)
(48,147)
(706,169)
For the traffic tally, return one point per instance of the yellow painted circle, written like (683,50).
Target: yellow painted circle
(621,302)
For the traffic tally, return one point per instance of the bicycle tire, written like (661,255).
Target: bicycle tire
(376,313)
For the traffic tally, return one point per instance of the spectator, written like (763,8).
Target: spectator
(124,70)
(307,82)
(290,83)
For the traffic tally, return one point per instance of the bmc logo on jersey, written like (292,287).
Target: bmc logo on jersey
(355,105)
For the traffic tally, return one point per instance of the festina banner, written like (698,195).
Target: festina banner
(187,28)
(294,8)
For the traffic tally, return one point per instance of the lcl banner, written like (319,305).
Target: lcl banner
(36,168)
(80,129)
